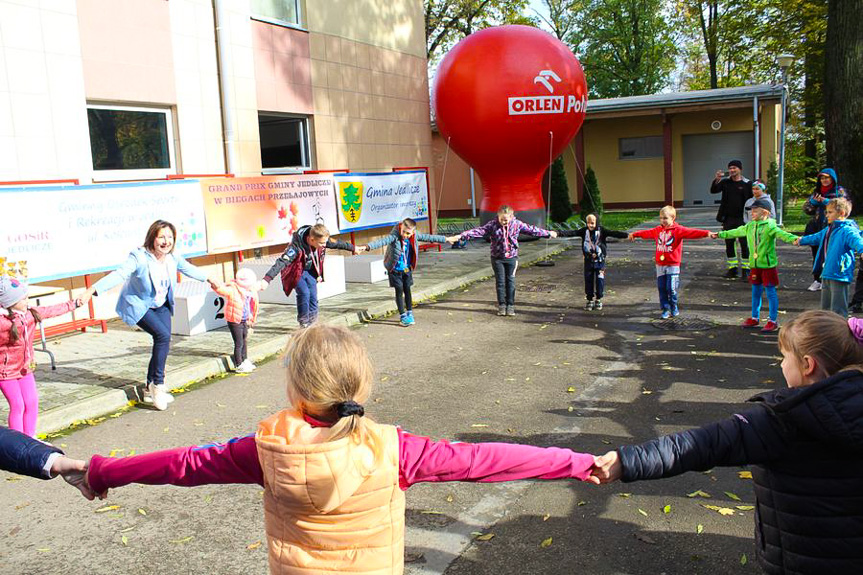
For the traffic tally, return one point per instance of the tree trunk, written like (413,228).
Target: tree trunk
(843,85)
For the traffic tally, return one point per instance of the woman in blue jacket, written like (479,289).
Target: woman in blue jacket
(149,278)
(22,454)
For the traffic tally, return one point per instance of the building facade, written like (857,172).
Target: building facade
(649,151)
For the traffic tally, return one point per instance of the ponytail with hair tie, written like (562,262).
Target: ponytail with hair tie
(349,408)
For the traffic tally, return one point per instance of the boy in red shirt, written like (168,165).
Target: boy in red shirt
(669,238)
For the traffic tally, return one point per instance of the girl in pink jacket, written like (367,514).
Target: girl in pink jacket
(17,329)
(333,479)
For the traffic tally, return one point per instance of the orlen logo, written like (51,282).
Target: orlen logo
(521,105)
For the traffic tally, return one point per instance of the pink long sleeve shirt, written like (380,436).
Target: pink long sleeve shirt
(420,460)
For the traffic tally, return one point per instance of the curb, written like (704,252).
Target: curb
(112,400)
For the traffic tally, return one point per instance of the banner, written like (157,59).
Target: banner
(64,231)
(244,213)
(374,200)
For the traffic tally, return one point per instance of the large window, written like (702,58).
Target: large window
(284,143)
(277,11)
(640,148)
(131,143)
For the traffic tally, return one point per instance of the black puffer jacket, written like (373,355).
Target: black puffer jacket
(806,447)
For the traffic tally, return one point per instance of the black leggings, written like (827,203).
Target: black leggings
(239,331)
(401,282)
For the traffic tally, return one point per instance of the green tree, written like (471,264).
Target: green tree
(591,201)
(561,206)
(629,47)
(448,21)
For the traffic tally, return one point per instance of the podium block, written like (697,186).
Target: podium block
(334,272)
(365,268)
(197,308)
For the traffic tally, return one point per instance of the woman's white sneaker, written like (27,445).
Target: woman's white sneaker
(157,393)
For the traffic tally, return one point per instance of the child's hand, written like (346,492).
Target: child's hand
(262,285)
(74,473)
(631,237)
(361,249)
(797,242)
(713,235)
(552,234)
(606,468)
(214,283)
(453,239)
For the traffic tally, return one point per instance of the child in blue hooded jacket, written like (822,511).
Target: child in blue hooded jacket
(835,258)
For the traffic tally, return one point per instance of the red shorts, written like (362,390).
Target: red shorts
(764,276)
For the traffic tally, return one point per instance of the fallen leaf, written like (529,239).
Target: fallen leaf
(254,545)
(546,543)
(666,509)
(744,474)
(114,452)
(479,425)
(431,512)
(743,559)
(720,510)
(745,507)
(570,409)
(625,495)
(127,529)
(580,503)
(43,549)
(142,511)
(384,378)
(546,516)
(184,539)
(570,389)
(545,325)
(449,498)
(699,529)
(732,496)
(699,493)
(124,540)
(107,508)
(486,537)
(643,512)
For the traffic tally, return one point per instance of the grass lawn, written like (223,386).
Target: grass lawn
(614,220)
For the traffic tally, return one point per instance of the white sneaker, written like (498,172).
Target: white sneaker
(148,397)
(245,367)
(157,393)
(816,286)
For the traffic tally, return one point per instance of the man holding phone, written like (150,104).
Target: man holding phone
(735,190)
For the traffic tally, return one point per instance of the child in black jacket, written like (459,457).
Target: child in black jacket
(594,249)
(805,444)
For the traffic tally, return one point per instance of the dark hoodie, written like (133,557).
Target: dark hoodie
(300,248)
(836,191)
(806,449)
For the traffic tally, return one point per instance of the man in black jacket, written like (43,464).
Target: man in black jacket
(735,190)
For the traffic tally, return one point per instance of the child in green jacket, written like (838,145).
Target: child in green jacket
(761,233)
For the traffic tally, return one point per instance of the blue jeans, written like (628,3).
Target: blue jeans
(307,298)
(594,280)
(157,322)
(772,301)
(834,296)
(667,285)
(504,279)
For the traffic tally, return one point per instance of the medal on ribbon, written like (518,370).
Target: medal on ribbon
(662,258)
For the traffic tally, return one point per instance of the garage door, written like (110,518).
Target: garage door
(703,154)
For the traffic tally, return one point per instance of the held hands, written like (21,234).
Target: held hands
(214,283)
(713,235)
(262,285)
(631,237)
(797,242)
(606,469)
(74,472)
(453,239)
(552,234)
(360,249)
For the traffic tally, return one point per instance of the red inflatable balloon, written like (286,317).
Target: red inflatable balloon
(504,98)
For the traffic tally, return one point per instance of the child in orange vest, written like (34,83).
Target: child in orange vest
(241,311)
(334,480)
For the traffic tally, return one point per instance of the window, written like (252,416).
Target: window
(277,11)
(131,143)
(284,142)
(640,148)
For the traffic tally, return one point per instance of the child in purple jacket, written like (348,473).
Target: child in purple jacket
(503,233)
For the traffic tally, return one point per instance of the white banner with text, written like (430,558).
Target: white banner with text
(372,200)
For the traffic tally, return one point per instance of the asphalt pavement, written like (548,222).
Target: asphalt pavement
(553,375)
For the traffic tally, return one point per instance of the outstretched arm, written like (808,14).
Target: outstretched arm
(233,462)
(423,460)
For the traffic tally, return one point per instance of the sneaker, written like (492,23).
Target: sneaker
(665,314)
(157,392)
(403,320)
(730,274)
(145,395)
(510,310)
(675,312)
(750,322)
(245,367)
(588,305)
(598,304)
(816,286)
(411,317)
(501,309)
(769,327)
